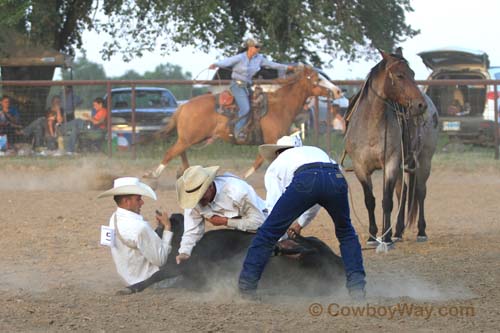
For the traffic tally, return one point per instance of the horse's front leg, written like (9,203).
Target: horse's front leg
(421,194)
(370,206)
(401,194)
(387,206)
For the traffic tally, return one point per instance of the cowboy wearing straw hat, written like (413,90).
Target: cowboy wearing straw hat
(224,200)
(138,250)
(298,178)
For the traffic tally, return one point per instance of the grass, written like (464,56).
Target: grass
(460,158)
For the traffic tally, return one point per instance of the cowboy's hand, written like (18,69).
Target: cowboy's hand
(294,230)
(212,66)
(290,68)
(181,257)
(217,220)
(163,219)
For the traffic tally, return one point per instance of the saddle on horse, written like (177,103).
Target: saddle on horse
(227,106)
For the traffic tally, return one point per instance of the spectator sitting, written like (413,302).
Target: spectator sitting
(45,126)
(9,121)
(76,126)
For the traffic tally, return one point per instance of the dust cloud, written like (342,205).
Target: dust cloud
(87,175)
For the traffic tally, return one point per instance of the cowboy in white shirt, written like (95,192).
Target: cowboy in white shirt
(222,200)
(298,178)
(278,176)
(138,251)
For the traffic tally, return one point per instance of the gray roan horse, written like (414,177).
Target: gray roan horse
(388,119)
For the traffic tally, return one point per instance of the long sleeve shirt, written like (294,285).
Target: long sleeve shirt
(280,173)
(234,199)
(139,251)
(244,69)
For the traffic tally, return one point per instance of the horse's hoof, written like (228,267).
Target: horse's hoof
(151,182)
(397,239)
(422,239)
(371,244)
(385,247)
(149,175)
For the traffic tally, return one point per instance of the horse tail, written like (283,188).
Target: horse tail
(412,202)
(163,132)
(171,125)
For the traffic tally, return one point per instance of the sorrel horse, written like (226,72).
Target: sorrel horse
(388,108)
(197,120)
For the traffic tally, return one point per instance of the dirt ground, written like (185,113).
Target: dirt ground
(55,276)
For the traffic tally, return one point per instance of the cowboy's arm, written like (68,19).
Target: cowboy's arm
(154,248)
(308,215)
(251,216)
(228,62)
(194,228)
(274,65)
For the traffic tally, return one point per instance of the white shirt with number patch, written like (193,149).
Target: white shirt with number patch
(150,252)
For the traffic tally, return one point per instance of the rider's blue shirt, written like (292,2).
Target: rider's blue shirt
(244,69)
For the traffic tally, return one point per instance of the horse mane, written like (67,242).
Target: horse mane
(291,79)
(369,78)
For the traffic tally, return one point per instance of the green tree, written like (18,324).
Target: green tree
(291,30)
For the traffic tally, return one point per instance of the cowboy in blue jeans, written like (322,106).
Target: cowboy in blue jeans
(244,66)
(303,176)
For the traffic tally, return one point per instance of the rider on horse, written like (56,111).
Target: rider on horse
(244,66)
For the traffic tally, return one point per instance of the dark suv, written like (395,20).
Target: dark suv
(466,111)
(153,108)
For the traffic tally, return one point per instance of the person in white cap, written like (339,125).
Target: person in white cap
(224,200)
(298,178)
(139,251)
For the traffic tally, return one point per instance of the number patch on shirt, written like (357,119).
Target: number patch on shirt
(107,236)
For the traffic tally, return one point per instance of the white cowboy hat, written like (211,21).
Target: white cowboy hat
(268,150)
(193,184)
(129,185)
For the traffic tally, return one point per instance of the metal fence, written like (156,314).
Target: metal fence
(32,99)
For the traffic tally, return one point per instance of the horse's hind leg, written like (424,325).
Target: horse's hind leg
(256,164)
(178,148)
(185,164)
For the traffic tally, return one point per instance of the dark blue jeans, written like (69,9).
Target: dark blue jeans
(315,183)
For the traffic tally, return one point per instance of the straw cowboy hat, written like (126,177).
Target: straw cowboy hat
(127,186)
(268,151)
(193,184)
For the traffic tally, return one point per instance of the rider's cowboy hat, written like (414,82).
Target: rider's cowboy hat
(268,151)
(127,186)
(193,184)
(249,42)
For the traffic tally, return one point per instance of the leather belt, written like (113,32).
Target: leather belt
(316,165)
